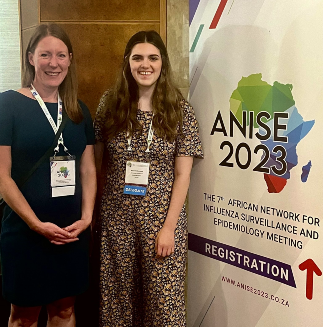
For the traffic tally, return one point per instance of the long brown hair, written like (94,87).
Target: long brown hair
(68,88)
(121,105)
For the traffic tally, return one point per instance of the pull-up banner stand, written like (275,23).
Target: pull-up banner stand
(256,200)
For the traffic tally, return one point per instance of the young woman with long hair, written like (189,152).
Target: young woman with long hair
(148,135)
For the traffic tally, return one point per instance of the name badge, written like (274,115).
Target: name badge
(62,170)
(136,180)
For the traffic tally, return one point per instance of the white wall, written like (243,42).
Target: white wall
(10,64)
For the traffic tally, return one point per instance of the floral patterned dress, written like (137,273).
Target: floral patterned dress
(137,289)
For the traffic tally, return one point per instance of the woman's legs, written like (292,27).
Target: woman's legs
(23,316)
(61,313)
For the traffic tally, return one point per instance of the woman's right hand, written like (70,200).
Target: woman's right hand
(55,234)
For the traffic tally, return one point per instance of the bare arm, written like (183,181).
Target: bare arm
(165,241)
(14,198)
(88,181)
(98,154)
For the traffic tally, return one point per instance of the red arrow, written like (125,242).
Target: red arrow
(312,268)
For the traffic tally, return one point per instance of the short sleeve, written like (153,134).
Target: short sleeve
(89,130)
(100,117)
(189,142)
(6,118)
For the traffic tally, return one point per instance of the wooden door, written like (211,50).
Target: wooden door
(99,31)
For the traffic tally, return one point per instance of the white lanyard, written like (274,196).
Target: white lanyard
(49,117)
(149,137)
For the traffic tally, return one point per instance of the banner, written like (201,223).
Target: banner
(256,200)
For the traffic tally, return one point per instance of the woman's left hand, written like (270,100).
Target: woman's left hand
(165,242)
(77,228)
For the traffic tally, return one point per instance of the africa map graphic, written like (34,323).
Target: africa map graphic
(64,171)
(254,94)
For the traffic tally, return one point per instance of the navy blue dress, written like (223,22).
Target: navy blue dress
(34,271)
